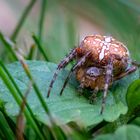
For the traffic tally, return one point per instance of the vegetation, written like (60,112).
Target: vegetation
(26,71)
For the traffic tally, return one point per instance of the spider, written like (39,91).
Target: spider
(100,60)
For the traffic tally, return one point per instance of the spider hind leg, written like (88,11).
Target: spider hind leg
(132,69)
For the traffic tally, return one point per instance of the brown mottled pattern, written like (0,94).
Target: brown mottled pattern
(96,44)
(88,81)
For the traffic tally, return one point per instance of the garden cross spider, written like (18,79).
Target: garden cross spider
(100,60)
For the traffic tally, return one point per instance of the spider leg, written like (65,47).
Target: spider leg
(77,65)
(108,78)
(66,81)
(80,89)
(60,66)
(135,63)
(92,98)
(129,71)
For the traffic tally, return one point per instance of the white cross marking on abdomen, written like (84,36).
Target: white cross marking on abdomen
(102,54)
(106,44)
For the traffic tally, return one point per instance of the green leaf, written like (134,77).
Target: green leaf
(68,107)
(133,95)
(126,132)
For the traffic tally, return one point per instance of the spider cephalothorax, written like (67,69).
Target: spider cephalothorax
(100,60)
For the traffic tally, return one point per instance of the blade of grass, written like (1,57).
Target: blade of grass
(59,134)
(19,101)
(22,20)
(20,93)
(20,119)
(8,46)
(42,18)
(4,129)
(9,121)
(37,91)
(41,49)
(3,56)
(31,53)
(28,73)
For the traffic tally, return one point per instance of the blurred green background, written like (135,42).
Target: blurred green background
(61,24)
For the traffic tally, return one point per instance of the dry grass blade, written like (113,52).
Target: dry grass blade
(20,117)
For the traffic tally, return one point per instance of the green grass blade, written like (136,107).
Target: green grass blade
(8,46)
(27,71)
(22,20)
(31,52)
(20,93)
(41,49)
(3,127)
(19,100)
(37,91)
(42,18)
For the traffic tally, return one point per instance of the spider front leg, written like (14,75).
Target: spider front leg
(60,66)
(77,65)
(108,78)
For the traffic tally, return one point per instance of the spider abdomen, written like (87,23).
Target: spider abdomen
(102,48)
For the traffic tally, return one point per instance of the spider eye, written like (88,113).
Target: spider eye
(93,71)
